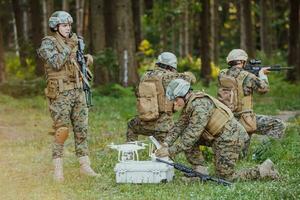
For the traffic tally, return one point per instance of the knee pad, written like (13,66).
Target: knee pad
(61,135)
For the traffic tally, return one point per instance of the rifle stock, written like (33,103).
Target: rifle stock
(190,172)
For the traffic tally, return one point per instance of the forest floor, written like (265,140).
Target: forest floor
(26,165)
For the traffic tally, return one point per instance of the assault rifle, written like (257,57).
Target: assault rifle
(254,66)
(85,73)
(191,173)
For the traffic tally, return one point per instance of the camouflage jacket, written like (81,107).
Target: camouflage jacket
(251,83)
(190,126)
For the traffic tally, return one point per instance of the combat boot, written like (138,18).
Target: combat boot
(58,170)
(267,170)
(85,166)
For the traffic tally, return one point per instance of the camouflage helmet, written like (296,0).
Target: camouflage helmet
(60,17)
(167,58)
(237,54)
(177,88)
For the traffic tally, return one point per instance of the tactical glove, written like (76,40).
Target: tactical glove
(162,152)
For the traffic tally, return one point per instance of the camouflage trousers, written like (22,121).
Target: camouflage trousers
(137,127)
(226,147)
(69,110)
(269,126)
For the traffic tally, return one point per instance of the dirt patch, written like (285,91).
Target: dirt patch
(286,115)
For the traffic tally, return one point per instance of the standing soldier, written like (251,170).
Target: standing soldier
(206,120)
(236,88)
(154,109)
(67,102)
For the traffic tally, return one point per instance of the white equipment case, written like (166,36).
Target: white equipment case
(143,172)
(130,170)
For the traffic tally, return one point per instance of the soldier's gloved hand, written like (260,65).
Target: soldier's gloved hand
(262,73)
(162,152)
(89,59)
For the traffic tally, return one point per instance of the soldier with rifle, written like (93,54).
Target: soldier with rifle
(236,87)
(67,90)
(205,120)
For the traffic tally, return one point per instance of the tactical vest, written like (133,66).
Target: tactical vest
(221,114)
(68,77)
(231,92)
(151,98)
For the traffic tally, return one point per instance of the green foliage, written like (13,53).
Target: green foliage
(23,88)
(113,90)
(107,59)
(15,70)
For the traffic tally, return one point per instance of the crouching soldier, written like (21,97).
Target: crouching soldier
(236,88)
(206,120)
(67,103)
(155,111)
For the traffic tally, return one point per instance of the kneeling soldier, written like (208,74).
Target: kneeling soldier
(205,119)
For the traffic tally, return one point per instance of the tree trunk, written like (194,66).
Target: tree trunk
(19,29)
(214,31)
(48,7)
(294,51)
(25,19)
(2,61)
(79,16)
(246,39)
(137,22)
(65,5)
(186,29)
(37,34)
(265,32)
(86,13)
(98,39)
(205,41)
(125,43)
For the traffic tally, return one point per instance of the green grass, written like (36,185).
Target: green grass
(26,166)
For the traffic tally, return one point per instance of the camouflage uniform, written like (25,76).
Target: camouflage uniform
(226,145)
(159,127)
(266,125)
(67,102)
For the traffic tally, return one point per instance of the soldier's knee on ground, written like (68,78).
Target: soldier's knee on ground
(61,135)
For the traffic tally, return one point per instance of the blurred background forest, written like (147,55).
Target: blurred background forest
(125,36)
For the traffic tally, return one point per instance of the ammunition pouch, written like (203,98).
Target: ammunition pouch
(248,120)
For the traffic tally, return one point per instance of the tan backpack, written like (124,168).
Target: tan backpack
(231,94)
(151,99)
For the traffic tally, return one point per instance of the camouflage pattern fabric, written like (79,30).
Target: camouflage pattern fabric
(251,83)
(160,126)
(266,125)
(189,133)
(69,109)
(51,55)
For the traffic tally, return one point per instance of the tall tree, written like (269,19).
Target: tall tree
(20,36)
(37,33)
(98,42)
(205,41)
(265,32)
(214,13)
(246,39)
(125,42)
(2,61)
(79,16)
(65,5)
(136,9)
(294,40)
